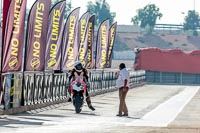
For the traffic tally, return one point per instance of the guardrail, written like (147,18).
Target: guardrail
(31,90)
(172,78)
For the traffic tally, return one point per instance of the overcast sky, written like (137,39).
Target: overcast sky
(173,10)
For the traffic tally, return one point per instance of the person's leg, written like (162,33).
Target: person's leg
(88,100)
(69,93)
(125,110)
(120,103)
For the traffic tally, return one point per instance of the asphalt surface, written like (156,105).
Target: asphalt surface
(152,109)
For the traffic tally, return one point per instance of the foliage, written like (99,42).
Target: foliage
(55,1)
(184,44)
(192,21)
(68,8)
(101,10)
(147,17)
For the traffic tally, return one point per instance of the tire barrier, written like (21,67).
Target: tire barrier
(31,89)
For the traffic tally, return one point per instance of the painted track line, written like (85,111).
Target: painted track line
(166,112)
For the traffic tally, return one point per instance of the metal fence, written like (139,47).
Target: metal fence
(34,88)
(172,78)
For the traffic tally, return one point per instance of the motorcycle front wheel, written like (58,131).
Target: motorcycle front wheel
(78,101)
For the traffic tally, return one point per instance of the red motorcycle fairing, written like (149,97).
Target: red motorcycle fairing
(78,86)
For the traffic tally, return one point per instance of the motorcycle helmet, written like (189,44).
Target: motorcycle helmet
(78,66)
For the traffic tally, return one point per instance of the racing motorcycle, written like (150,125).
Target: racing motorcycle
(78,91)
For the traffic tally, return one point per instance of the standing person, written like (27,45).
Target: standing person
(123,84)
(77,72)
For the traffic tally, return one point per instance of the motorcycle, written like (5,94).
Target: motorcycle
(78,91)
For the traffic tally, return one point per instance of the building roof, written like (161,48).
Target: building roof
(128,28)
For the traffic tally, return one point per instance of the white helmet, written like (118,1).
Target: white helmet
(78,66)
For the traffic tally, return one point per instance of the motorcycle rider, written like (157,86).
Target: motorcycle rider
(79,71)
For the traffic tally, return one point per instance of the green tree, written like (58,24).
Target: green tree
(147,17)
(192,22)
(101,10)
(68,8)
(55,1)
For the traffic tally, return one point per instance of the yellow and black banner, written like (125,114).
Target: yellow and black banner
(82,32)
(54,37)
(12,48)
(89,57)
(102,45)
(70,40)
(37,36)
(111,41)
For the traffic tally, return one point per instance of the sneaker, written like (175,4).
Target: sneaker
(125,115)
(91,107)
(120,115)
(69,100)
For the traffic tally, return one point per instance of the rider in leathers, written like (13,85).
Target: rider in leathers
(78,70)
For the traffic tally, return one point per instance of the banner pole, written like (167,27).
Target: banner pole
(96,54)
(96,47)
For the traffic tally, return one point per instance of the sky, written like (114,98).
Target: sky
(173,11)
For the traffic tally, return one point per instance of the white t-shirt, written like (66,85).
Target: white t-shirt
(123,74)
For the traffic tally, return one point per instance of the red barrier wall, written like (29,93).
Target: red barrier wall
(173,60)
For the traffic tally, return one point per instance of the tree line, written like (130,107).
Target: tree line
(146,17)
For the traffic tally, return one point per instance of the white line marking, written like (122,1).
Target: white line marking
(166,112)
